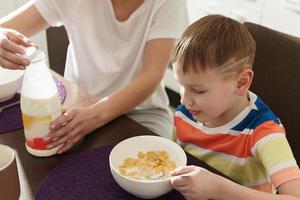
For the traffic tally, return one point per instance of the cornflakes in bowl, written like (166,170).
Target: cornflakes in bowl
(141,165)
(150,165)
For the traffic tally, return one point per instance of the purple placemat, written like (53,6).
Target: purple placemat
(87,176)
(11,117)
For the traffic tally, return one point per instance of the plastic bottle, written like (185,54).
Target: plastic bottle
(40,103)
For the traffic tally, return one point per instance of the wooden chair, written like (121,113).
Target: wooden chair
(58,42)
(277,78)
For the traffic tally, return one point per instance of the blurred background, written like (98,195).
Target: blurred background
(281,15)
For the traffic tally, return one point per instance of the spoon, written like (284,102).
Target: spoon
(9,105)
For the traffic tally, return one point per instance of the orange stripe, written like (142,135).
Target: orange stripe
(285,175)
(237,145)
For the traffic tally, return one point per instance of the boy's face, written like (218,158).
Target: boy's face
(208,97)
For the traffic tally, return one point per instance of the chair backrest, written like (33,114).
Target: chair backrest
(58,42)
(277,78)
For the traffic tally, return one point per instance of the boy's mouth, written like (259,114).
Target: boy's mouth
(194,113)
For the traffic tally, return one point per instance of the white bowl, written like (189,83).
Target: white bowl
(130,148)
(10,82)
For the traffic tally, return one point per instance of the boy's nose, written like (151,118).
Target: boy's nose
(185,99)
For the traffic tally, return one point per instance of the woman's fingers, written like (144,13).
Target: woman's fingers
(58,141)
(19,39)
(11,56)
(12,46)
(10,65)
(63,120)
(64,131)
(76,136)
(12,53)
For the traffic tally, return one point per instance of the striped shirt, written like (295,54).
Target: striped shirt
(252,149)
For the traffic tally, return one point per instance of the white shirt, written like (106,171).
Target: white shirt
(105,54)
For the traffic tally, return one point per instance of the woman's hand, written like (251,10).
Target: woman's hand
(71,127)
(12,45)
(195,182)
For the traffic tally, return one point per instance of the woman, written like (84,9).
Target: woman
(118,51)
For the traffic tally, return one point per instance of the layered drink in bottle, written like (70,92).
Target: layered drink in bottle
(40,104)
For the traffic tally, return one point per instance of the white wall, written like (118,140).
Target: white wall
(7,6)
(282,15)
(242,10)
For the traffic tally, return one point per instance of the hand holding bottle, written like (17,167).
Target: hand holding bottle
(72,126)
(12,49)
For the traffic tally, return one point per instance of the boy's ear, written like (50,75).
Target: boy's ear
(243,81)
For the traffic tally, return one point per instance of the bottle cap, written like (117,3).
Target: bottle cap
(34,54)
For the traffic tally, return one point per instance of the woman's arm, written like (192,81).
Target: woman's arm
(26,20)
(156,57)
(77,122)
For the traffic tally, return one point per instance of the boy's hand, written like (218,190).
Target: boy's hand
(195,182)
(12,46)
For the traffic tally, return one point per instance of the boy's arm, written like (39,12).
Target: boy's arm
(197,183)
(230,190)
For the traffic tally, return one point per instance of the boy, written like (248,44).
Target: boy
(224,124)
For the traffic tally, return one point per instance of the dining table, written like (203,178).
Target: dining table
(33,170)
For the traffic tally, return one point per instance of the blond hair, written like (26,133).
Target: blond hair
(216,42)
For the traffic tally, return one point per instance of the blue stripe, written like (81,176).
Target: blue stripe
(257,117)
(181,108)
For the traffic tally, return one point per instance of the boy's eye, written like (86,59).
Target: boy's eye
(199,91)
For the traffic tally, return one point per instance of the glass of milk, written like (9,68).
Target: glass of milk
(40,103)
